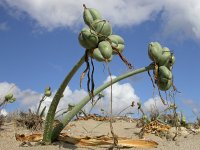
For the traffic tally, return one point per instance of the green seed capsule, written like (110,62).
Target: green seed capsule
(154,51)
(116,38)
(164,58)
(47,93)
(164,86)
(163,80)
(96,54)
(170,62)
(48,88)
(113,42)
(164,72)
(8,96)
(120,48)
(102,28)
(88,39)
(109,59)
(105,49)
(116,42)
(12,100)
(173,59)
(90,15)
(184,118)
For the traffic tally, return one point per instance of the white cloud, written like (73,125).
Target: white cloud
(52,13)
(49,13)
(26,97)
(3,112)
(3,26)
(122,96)
(154,103)
(70,97)
(30,99)
(180,16)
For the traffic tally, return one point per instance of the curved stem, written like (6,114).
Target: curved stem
(52,109)
(38,109)
(1,104)
(82,103)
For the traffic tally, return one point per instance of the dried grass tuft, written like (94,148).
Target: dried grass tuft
(29,120)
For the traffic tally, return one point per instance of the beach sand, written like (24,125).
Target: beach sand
(82,128)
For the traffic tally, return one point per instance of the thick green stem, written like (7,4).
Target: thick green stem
(82,103)
(52,109)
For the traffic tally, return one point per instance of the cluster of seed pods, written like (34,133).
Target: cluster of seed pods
(164,60)
(9,98)
(97,38)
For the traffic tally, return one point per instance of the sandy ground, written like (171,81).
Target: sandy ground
(83,128)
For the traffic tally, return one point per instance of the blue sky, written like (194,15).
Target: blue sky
(39,45)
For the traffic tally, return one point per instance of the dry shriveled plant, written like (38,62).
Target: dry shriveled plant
(32,120)
(29,120)
(2,120)
(198,121)
(197,124)
(154,112)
